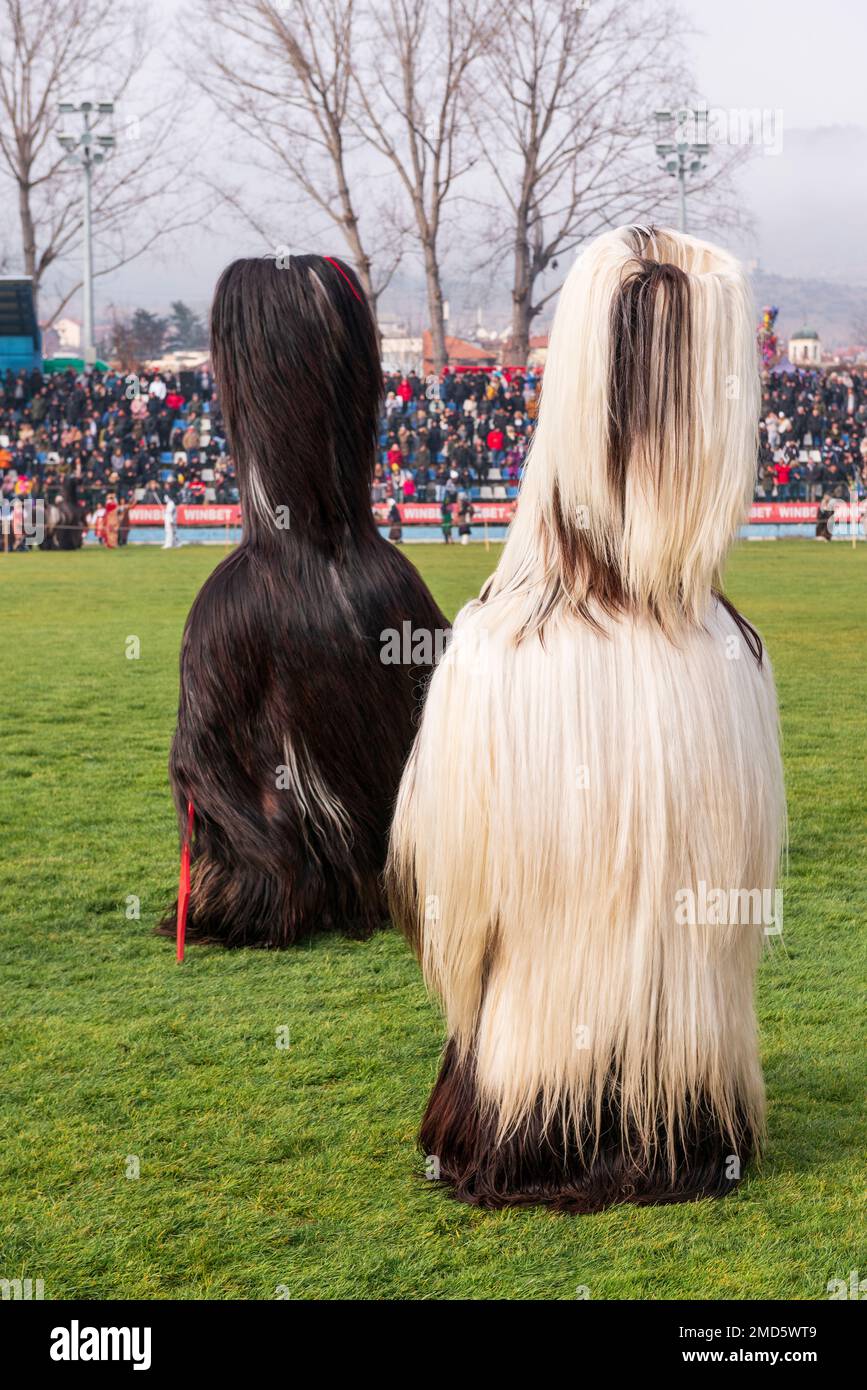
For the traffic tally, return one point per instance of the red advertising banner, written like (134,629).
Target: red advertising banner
(781,513)
(494,513)
(429,514)
(500,513)
(206,514)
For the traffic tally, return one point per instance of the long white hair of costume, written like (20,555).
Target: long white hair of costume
(601,738)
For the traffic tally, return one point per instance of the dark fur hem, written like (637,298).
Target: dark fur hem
(538,1168)
(252,935)
(242,909)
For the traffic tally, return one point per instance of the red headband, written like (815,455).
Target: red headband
(345,276)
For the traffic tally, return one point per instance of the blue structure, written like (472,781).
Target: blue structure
(20,338)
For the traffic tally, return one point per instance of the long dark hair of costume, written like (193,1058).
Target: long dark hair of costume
(292,733)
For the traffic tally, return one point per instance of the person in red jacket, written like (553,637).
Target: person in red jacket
(782,470)
(404,390)
(495,442)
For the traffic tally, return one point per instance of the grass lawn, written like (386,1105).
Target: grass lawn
(265,1168)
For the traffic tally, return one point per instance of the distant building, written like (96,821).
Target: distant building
(538,351)
(181,360)
(400,353)
(805,348)
(460,353)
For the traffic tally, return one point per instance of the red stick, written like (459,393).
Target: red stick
(341,271)
(184,883)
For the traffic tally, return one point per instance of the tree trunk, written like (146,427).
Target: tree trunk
(28,240)
(363,267)
(435,309)
(350,227)
(521,292)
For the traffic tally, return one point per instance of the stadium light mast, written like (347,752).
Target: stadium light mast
(681,146)
(87,149)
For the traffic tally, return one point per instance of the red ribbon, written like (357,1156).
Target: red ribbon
(184,883)
(342,272)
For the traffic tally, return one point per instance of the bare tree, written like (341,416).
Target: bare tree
(119,344)
(48,53)
(281,73)
(412,95)
(563,112)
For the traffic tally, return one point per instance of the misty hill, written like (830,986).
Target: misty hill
(838,312)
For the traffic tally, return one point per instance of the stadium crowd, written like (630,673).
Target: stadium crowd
(461,437)
(136,437)
(812,435)
(463,434)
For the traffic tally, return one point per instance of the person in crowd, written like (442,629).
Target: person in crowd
(377,487)
(422,456)
(111,522)
(170,522)
(825,518)
(496,443)
(405,443)
(395,525)
(480,465)
(465,517)
(123,520)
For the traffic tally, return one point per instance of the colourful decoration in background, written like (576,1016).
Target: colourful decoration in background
(769,347)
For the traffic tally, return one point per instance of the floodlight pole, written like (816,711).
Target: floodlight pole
(678,153)
(87,286)
(81,150)
(681,178)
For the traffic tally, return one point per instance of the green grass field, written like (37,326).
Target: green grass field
(268,1171)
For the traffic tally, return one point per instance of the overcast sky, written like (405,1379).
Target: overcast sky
(806,59)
